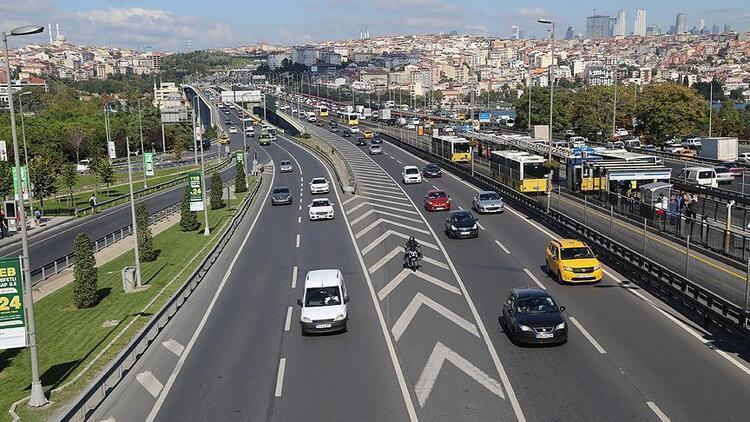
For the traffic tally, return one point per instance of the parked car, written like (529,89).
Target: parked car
(83,166)
(532,316)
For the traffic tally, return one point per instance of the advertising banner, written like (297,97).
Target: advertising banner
(12,321)
(484,117)
(196,191)
(148,162)
(3,151)
(24,182)
(111,149)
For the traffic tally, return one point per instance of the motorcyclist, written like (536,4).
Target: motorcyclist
(413,245)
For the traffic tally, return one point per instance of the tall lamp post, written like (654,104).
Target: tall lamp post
(135,221)
(551,96)
(106,125)
(26,152)
(37,398)
(143,152)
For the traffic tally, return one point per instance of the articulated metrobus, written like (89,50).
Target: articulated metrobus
(322,111)
(265,137)
(351,119)
(520,170)
(454,148)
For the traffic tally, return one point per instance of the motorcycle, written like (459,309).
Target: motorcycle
(411,258)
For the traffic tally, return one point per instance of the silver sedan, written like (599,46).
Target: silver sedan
(488,202)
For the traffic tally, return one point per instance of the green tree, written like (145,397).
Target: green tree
(736,94)
(145,238)
(668,110)
(6,179)
(729,121)
(104,171)
(591,108)
(704,88)
(540,109)
(216,188)
(85,277)
(179,147)
(43,173)
(240,179)
(188,220)
(69,178)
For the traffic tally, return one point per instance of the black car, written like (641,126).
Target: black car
(376,140)
(461,224)
(281,196)
(361,141)
(346,134)
(227,121)
(531,316)
(432,170)
(197,147)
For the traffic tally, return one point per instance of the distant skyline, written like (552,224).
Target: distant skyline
(169,24)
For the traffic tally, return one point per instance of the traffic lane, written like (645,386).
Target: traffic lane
(53,245)
(538,373)
(677,166)
(230,373)
(652,351)
(350,373)
(130,401)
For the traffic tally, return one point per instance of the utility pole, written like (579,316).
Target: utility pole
(195,133)
(614,107)
(26,154)
(711,109)
(135,222)
(551,97)
(143,155)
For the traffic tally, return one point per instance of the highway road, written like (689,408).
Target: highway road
(55,243)
(422,345)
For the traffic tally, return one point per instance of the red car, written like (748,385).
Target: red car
(437,200)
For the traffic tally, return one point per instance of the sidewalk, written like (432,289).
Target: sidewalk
(105,255)
(47,224)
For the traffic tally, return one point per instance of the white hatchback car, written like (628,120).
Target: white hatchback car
(411,174)
(319,185)
(232,129)
(320,209)
(324,303)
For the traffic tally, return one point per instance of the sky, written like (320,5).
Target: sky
(169,24)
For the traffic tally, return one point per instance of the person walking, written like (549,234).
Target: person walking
(3,225)
(92,203)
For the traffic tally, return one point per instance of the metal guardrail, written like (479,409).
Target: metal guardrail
(149,190)
(669,285)
(58,265)
(99,389)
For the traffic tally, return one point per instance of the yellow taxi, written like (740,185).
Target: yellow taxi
(368,134)
(572,261)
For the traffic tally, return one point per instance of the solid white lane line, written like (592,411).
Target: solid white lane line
(150,383)
(294,277)
(659,414)
(173,346)
(288,322)
(481,226)
(588,336)
(280,377)
(533,277)
(350,200)
(700,337)
(372,204)
(502,247)
(170,382)
(369,194)
(298,239)
(389,214)
(400,203)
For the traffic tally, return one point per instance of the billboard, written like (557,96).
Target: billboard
(484,117)
(196,191)
(241,96)
(12,321)
(24,182)
(111,149)
(148,163)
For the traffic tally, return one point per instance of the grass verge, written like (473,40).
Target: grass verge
(70,338)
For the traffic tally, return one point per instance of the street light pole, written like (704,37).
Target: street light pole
(140,128)
(132,215)
(37,398)
(614,107)
(26,154)
(551,96)
(206,229)
(195,134)
(711,109)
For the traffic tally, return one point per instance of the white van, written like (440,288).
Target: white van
(324,302)
(701,176)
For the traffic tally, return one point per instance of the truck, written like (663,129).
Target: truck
(385,114)
(724,148)
(367,112)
